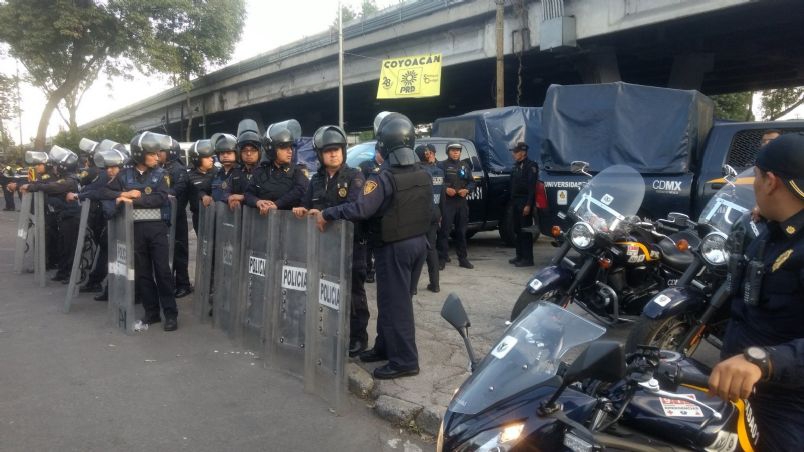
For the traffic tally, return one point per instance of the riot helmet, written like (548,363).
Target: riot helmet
(64,159)
(395,140)
(146,143)
(111,157)
(88,146)
(454,145)
(36,158)
(175,150)
(326,137)
(224,142)
(281,134)
(201,148)
(248,134)
(378,119)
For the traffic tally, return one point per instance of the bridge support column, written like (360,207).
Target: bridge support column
(599,67)
(689,70)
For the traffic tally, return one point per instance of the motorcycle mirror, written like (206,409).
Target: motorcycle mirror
(678,218)
(454,313)
(602,360)
(729,171)
(579,166)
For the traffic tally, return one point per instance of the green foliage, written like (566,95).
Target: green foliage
(114,131)
(349,14)
(734,106)
(779,102)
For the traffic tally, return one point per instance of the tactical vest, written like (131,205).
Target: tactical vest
(456,174)
(333,193)
(410,210)
(272,183)
(152,178)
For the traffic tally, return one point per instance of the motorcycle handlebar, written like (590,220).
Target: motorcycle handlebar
(693,379)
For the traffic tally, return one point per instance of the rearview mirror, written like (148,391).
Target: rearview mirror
(579,166)
(454,313)
(603,360)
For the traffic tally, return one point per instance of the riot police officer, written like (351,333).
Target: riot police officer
(225,146)
(763,349)
(249,147)
(368,168)
(146,186)
(427,156)
(6,177)
(336,183)
(458,183)
(201,176)
(400,243)
(524,177)
(278,183)
(169,158)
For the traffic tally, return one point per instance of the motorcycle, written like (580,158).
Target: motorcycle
(523,397)
(698,306)
(619,262)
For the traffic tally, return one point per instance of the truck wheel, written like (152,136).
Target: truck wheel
(506,227)
(666,334)
(526,298)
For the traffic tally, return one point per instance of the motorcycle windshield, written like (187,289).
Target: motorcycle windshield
(528,354)
(613,194)
(730,203)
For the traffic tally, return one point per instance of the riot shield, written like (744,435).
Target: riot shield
(254,270)
(121,269)
(227,248)
(285,350)
(172,230)
(329,258)
(84,257)
(203,261)
(40,269)
(23,251)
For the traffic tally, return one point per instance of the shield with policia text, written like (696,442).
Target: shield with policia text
(204,255)
(120,279)
(254,278)
(328,306)
(227,249)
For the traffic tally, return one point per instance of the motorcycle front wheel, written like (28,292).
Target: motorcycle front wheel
(667,334)
(526,298)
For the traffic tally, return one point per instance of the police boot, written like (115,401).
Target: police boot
(466,264)
(103,296)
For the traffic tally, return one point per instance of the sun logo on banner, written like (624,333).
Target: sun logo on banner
(408,78)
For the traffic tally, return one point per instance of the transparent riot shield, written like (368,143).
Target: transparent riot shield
(84,257)
(203,261)
(329,258)
(23,251)
(121,269)
(288,293)
(39,244)
(227,248)
(254,271)
(172,231)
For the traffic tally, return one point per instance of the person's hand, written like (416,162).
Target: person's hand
(734,378)
(24,189)
(526,211)
(320,222)
(265,205)
(450,191)
(132,194)
(235,201)
(71,197)
(299,212)
(11,186)
(207,200)
(463,192)
(120,199)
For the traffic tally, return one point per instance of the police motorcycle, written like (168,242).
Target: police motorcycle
(618,262)
(697,307)
(523,397)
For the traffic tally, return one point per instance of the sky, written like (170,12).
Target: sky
(269,24)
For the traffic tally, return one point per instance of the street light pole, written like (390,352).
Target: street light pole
(340,65)
(500,55)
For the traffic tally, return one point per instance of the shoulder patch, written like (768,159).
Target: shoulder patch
(781,260)
(369,187)
(83,174)
(790,230)
(167,180)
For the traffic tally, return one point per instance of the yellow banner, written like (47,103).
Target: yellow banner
(413,76)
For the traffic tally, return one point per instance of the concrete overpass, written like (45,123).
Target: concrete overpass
(715,46)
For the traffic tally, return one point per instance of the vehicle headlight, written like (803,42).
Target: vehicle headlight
(713,248)
(496,440)
(582,235)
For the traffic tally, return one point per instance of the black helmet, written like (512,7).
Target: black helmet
(36,157)
(148,142)
(222,142)
(248,134)
(111,157)
(87,146)
(329,136)
(378,119)
(175,150)
(285,132)
(396,133)
(201,148)
(64,159)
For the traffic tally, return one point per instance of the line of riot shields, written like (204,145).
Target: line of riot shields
(281,287)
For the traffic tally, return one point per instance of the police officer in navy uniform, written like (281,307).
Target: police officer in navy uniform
(427,156)
(763,349)
(524,177)
(6,177)
(399,236)
(368,168)
(179,179)
(458,183)
(336,183)
(278,183)
(146,186)
(225,146)
(249,146)
(201,175)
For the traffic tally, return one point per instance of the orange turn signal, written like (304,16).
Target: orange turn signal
(555,231)
(604,263)
(683,245)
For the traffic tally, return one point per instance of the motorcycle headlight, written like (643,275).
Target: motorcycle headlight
(713,248)
(496,440)
(582,236)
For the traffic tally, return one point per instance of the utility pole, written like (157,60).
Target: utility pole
(500,37)
(340,65)
(19,102)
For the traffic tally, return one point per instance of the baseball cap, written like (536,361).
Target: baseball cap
(784,157)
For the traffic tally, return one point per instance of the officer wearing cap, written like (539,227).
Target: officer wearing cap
(225,146)
(6,177)
(763,349)
(179,179)
(458,183)
(427,157)
(145,186)
(524,176)
(397,200)
(278,183)
(249,147)
(336,183)
(201,176)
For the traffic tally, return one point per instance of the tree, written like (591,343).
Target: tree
(779,102)
(734,106)
(348,14)
(8,110)
(66,43)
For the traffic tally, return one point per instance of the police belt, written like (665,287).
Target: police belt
(147,215)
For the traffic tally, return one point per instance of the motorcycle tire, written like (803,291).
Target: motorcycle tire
(664,333)
(526,298)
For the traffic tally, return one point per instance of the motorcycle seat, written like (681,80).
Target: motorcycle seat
(671,255)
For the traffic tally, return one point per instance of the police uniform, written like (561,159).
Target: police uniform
(219,184)
(284,185)
(6,177)
(239,181)
(91,180)
(368,168)
(455,209)
(437,177)
(524,177)
(65,218)
(199,184)
(767,309)
(178,185)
